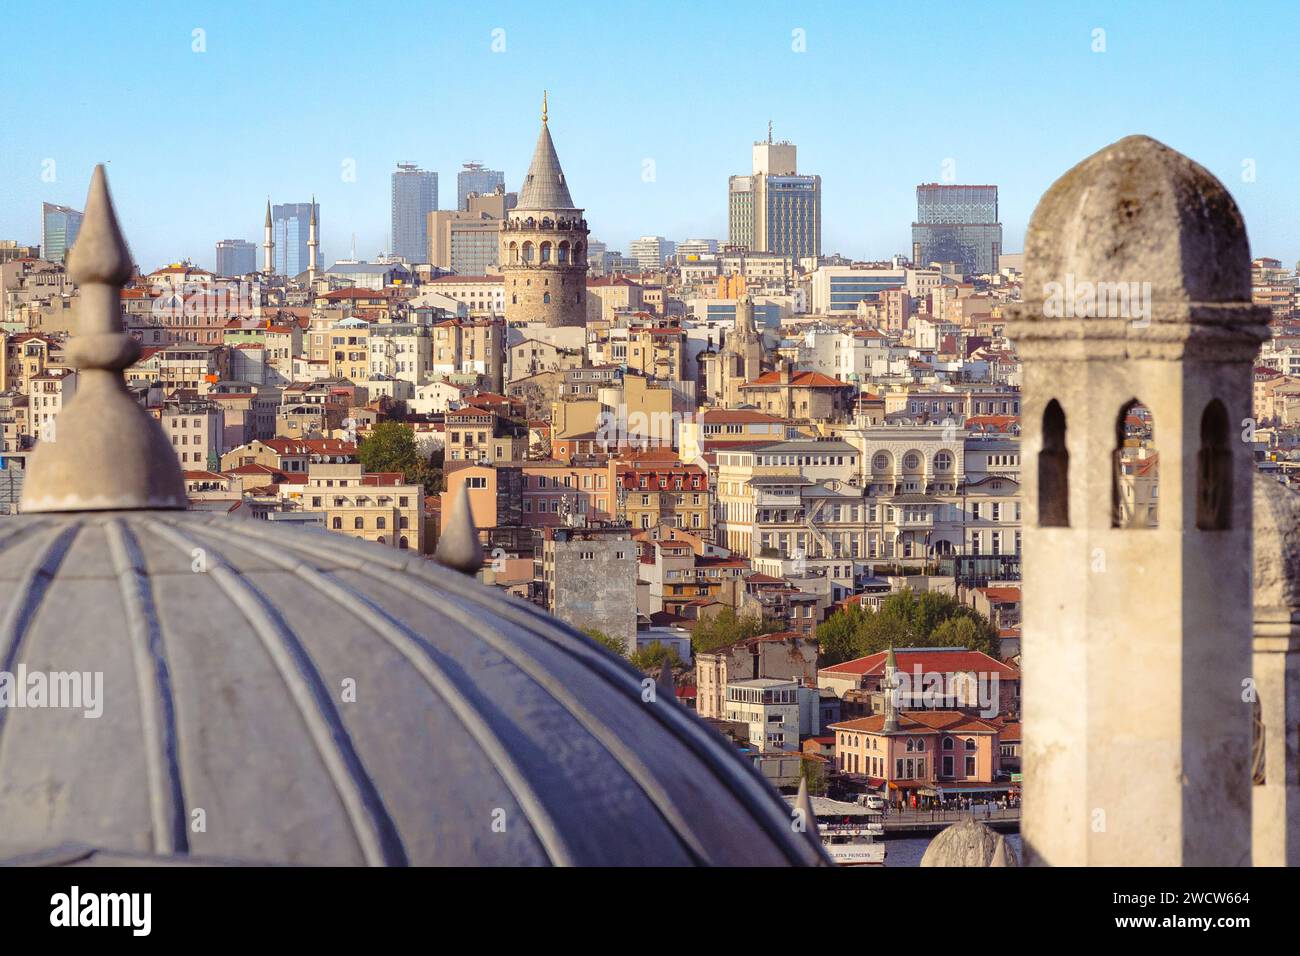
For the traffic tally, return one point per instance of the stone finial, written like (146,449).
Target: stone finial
(104,452)
(459,547)
(665,681)
(543,107)
(803,803)
(1276,544)
(969,843)
(1142,252)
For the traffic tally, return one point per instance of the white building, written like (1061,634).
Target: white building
(770,707)
(651,252)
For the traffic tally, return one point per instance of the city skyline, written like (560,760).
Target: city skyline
(662,178)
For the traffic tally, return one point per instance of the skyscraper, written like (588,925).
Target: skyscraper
(235,257)
(59,228)
(474,178)
(957,224)
(544,245)
(415,195)
(292,225)
(774,209)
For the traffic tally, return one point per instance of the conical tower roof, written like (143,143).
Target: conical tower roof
(545,186)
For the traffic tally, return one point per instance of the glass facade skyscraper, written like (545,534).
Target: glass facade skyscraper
(474,178)
(775,209)
(235,257)
(59,228)
(290,222)
(415,195)
(792,208)
(957,224)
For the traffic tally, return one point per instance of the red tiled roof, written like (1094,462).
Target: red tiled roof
(922,722)
(797,380)
(933,660)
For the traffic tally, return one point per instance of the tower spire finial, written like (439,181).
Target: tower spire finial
(543,107)
(109,455)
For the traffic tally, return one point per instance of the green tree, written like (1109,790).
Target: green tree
(612,643)
(837,636)
(906,619)
(651,658)
(971,630)
(727,627)
(390,446)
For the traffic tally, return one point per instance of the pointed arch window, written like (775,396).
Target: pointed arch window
(1214,471)
(1135,485)
(1054,470)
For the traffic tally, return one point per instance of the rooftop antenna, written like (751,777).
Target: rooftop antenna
(354,247)
(769,132)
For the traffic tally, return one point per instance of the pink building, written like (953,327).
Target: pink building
(928,754)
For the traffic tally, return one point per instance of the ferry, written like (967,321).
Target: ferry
(849,832)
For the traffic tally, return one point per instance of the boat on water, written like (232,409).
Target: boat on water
(849,832)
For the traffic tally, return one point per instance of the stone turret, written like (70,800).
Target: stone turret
(1275,687)
(544,245)
(1137,638)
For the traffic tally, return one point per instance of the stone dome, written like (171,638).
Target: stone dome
(239,691)
(480,730)
(1108,219)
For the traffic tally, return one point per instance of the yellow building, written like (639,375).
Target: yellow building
(656,352)
(345,349)
(655,488)
(374,507)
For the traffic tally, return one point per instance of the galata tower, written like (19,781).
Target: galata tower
(544,246)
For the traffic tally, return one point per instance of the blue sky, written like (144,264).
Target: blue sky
(883,94)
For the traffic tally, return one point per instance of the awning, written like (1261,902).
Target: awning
(976,788)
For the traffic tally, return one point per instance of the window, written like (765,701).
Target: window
(1214,471)
(358,524)
(1135,469)
(1053,471)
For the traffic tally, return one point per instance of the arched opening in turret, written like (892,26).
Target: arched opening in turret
(1054,470)
(563,253)
(514,253)
(1214,471)
(546,252)
(528,252)
(1135,485)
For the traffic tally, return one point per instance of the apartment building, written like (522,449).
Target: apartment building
(375,507)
